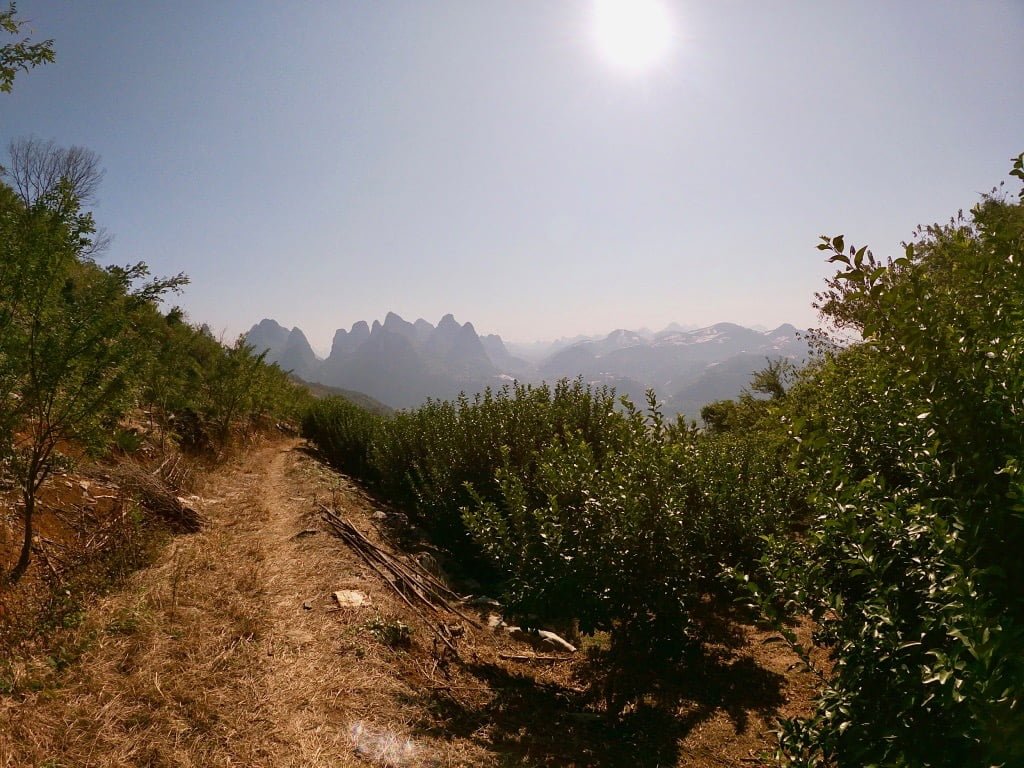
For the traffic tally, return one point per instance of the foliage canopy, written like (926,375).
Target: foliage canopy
(21,55)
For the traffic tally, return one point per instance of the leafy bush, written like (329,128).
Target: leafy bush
(203,392)
(439,458)
(631,544)
(344,433)
(390,631)
(913,440)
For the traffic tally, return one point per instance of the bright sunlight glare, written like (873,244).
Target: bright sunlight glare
(632,35)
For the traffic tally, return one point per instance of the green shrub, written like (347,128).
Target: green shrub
(390,631)
(438,458)
(913,440)
(632,543)
(344,433)
(590,515)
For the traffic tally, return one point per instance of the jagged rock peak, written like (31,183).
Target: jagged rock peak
(360,330)
(422,331)
(268,324)
(346,342)
(296,336)
(394,323)
(298,354)
(340,341)
(289,349)
(267,334)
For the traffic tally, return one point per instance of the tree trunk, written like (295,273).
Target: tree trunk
(26,547)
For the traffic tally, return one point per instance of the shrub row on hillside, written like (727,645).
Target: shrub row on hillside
(905,449)
(590,515)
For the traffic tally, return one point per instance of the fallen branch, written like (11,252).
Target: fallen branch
(408,581)
(532,657)
(416,572)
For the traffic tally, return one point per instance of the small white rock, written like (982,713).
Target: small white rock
(351,598)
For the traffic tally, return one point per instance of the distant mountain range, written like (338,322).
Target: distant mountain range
(402,364)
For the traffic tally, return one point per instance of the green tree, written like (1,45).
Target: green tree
(230,386)
(197,390)
(21,55)
(745,412)
(773,379)
(41,171)
(70,351)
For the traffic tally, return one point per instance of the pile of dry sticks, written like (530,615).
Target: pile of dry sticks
(156,491)
(424,593)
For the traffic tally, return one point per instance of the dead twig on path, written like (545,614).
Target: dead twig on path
(533,657)
(407,580)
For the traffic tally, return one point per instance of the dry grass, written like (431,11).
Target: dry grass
(209,658)
(157,687)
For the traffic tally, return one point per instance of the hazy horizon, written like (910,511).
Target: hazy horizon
(322,347)
(519,164)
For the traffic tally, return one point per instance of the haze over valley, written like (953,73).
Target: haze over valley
(402,363)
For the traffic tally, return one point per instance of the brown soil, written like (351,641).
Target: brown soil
(85,532)
(230,651)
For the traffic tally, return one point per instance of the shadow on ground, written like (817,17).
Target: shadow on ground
(528,722)
(536,724)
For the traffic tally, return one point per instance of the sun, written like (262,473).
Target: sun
(633,36)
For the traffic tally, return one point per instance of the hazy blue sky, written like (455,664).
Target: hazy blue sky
(325,162)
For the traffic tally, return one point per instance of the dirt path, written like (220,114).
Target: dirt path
(229,651)
(225,652)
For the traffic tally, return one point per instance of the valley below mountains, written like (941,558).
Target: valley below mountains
(402,363)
